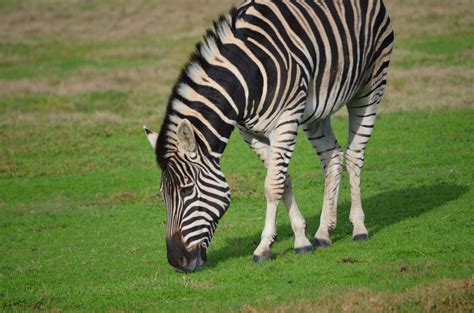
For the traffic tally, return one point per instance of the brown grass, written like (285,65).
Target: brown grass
(189,282)
(90,80)
(181,21)
(124,20)
(428,88)
(430,17)
(61,118)
(107,21)
(448,295)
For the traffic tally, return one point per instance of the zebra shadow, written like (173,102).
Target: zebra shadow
(381,210)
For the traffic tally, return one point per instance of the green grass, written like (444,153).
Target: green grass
(438,50)
(81,224)
(81,220)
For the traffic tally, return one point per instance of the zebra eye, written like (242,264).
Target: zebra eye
(185,191)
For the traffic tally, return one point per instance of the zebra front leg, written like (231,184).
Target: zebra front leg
(330,154)
(261,146)
(274,186)
(282,144)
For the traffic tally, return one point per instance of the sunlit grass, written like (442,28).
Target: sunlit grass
(81,223)
(81,218)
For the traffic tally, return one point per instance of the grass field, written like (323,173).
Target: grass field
(82,227)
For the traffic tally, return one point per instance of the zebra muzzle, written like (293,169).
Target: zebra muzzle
(182,258)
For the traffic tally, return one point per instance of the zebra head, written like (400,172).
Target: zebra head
(196,195)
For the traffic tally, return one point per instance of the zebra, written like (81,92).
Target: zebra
(268,68)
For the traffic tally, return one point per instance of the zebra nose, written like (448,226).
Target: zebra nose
(181,258)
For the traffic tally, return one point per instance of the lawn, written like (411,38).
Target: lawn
(82,227)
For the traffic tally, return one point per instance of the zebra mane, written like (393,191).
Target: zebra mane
(166,143)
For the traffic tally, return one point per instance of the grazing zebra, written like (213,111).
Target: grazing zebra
(267,68)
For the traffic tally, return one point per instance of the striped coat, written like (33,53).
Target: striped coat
(268,68)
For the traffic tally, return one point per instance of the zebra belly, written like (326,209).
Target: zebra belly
(322,106)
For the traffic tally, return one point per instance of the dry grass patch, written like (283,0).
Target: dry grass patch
(107,20)
(447,295)
(428,88)
(89,80)
(83,20)
(430,17)
(172,27)
(61,118)
(190,283)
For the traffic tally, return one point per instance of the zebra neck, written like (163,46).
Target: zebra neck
(211,93)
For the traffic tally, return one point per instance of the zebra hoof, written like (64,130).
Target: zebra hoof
(361,237)
(304,250)
(261,258)
(323,243)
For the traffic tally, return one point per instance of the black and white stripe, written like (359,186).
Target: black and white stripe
(269,67)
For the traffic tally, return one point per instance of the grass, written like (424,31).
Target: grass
(82,227)
(96,233)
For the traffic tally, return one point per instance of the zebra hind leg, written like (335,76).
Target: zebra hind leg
(261,146)
(323,140)
(362,112)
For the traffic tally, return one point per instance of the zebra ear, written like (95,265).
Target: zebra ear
(152,137)
(186,138)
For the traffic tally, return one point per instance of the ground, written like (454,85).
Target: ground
(82,227)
